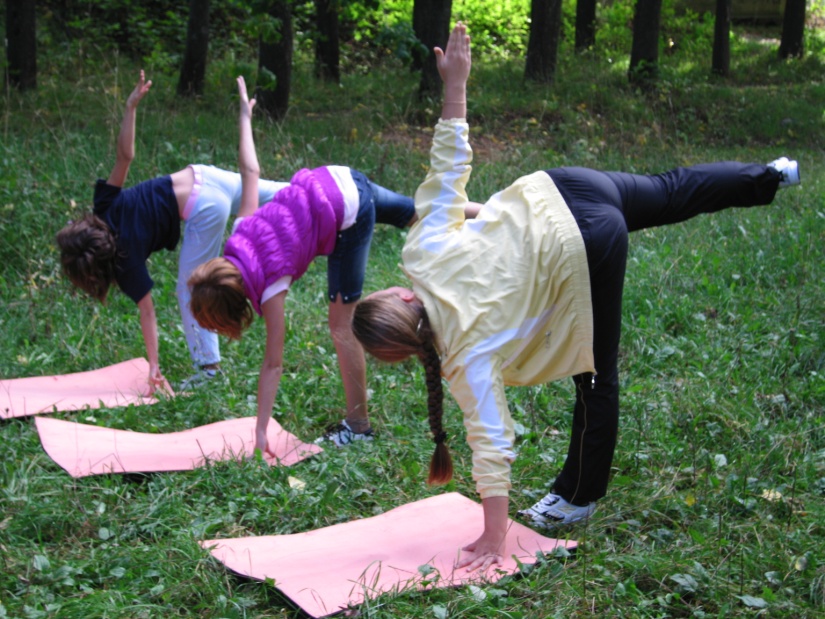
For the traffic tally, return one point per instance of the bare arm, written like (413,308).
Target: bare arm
(454,67)
(149,328)
(272,367)
(126,138)
(247,157)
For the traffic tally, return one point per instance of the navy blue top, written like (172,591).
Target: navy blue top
(144,219)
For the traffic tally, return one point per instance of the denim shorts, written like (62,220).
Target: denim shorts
(347,264)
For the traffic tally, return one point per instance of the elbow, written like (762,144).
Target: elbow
(125,153)
(250,172)
(273,368)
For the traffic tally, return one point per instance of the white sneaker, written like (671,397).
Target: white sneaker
(553,511)
(341,434)
(789,169)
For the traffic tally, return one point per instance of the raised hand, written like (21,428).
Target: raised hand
(454,62)
(247,104)
(141,88)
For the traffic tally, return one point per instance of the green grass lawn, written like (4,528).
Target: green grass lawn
(715,508)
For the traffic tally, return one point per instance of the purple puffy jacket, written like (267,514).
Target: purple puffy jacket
(285,235)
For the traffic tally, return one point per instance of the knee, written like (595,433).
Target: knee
(340,321)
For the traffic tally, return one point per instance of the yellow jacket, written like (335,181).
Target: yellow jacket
(507,293)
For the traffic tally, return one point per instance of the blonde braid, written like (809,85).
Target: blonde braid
(441,464)
(392,330)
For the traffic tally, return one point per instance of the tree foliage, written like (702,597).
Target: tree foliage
(370,32)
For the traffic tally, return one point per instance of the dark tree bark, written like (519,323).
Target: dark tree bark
(585,24)
(793,29)
(327,58)
(431,24)
(197,47)
(644,55)
(21,50)
(721,38)
(275,57)
(543,43)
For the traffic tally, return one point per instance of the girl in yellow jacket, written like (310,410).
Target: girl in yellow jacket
(528,292)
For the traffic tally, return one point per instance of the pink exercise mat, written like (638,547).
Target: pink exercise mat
(116,385)
(83,449)
(326,570)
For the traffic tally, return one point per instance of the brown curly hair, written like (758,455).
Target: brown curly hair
(88,255)
(391,329)
(218,301)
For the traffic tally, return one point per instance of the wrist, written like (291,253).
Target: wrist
(455,93)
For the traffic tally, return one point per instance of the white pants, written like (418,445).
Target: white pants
(215,196)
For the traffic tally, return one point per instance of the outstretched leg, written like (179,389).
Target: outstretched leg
(682,193)
(392,208)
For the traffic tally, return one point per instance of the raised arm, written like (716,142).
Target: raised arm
(443,191)
(454,67)
(248,165)
(126,138)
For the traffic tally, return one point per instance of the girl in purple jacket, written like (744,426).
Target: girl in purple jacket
(328,211)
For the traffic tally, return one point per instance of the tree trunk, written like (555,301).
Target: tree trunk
(431,24)
(721,38)
(197,47)
(793,29)
(21,41)
(644,55)
(585,24)
(543,43)
(275,59)
(327,42)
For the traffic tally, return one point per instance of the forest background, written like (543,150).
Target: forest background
(715,508)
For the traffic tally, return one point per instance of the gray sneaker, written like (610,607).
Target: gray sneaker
(341,434)
(199,379)
(553,511)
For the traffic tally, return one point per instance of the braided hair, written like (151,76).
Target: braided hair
(88,255)
(392,329)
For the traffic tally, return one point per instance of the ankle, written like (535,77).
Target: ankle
(359,426)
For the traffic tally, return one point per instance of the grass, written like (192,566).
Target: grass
(715,508)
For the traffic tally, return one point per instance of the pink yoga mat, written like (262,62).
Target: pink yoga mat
(83,449)
(326,570)
(116,385)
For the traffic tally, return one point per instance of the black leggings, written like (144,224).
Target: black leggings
(606,206)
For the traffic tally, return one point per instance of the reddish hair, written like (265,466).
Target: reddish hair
(218,299)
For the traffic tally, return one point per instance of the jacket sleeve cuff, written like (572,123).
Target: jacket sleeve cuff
(487,493)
